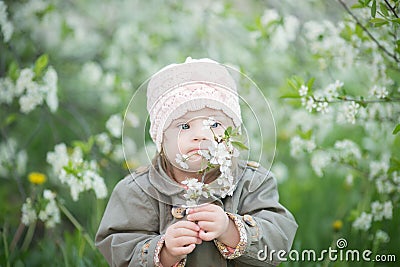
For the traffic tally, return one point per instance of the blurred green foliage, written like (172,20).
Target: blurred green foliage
(102,51)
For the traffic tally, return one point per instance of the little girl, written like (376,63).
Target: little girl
(196,204)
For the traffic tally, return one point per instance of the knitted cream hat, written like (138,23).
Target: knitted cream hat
(190,86)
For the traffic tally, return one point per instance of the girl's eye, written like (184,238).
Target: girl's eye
(215,125)
(184,126)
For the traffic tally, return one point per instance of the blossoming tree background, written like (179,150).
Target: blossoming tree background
(330,71)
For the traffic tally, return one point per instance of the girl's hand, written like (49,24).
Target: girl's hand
(180,239)
(212,220)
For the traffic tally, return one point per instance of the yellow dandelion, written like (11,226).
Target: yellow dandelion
(37,178)
(337,225)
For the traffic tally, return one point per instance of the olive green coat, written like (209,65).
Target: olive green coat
(139,212)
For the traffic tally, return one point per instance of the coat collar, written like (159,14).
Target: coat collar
(160,186)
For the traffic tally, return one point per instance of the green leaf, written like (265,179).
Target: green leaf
(396,129)
(290,96)
(228,131)
(396,20)
(41,64)
(394,165)
(379,21)
(310,83)
(239,145)
(10,119)
(357,5)
(373,9)
(384,9)
(292,84)
(13,71)
(306,135)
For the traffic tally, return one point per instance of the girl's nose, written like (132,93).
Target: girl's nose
(199,133)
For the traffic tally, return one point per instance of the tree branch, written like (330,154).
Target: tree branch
(368,33)
(392,9)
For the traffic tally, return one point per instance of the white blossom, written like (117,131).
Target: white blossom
(347,150)
(384,186)
(91,73)
(296,146)
(50,80)
(323,107)
(363,222)
(382,236)
(7,89)
(6,27)
(378,168)
(11,158)
(104,143)
(181,160)
(59,158)
(208,123)
(319,161)
(29,215)
(350,111)
(303,90)
(269,16)
(74,171)
(50,215)
(24,80)
(132,119)
(114,125)
(379,92)
(310,104)
(381,210)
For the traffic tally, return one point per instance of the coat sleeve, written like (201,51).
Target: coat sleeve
(268,225)
(128,232)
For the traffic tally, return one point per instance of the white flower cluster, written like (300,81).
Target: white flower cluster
(382,210)
(379,92)
(196,190)
(282,30)
(350,111)
(50,214)
(6,26)
(325,41)
(299,145)
(319,101)
(381,237)
(219,154)
(346,151)
(11,158)
(181,160)
(363,222)
(320,160)
(114,125)
(379,211)
(78,174)
(106,83)
(31,93)
(104,143)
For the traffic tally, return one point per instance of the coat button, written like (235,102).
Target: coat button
(249,220)
(253,164)
(178,212)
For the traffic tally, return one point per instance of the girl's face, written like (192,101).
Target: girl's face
(187,135)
